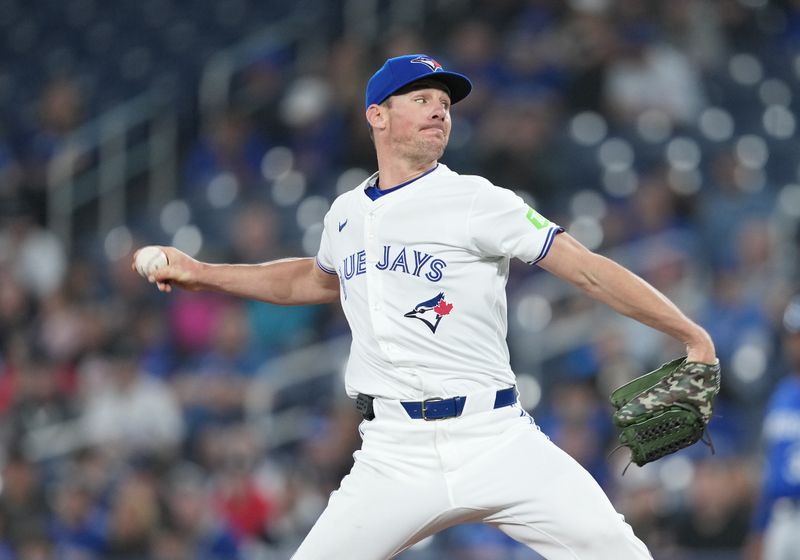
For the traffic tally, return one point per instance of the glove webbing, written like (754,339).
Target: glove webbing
(659,429)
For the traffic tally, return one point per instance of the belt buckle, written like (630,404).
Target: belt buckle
(435,399)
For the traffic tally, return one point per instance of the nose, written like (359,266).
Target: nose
(439,112)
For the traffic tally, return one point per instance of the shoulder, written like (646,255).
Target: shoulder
(466,183)
(343,201)
(474,190)
(352,196)
(479,194)
(484,192)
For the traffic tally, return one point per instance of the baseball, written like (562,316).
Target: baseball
(149,259)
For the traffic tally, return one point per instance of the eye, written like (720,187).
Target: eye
(420,99)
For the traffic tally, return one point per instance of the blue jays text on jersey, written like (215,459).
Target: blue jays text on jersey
(419,264)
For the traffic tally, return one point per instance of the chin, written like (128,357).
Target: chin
(434,149)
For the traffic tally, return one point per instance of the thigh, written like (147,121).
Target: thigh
(537,494)
(391,499)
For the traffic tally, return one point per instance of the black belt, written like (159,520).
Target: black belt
(436,408)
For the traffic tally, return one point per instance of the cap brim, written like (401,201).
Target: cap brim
(458,84)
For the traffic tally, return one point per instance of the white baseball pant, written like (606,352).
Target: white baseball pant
(412,478)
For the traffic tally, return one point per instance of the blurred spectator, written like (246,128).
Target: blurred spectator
(654,207)
(230,148)
(78,525)
(23,503)
(33,544)
(316,126)
(579,423)
(644,501)
(593,43)
(150,333)
(733,318)
(715,514)
(262,84)
(62,328)
(231,352)
(171,545)
(534,61)
(133,519)
(34,255)
(132,412)
(60,112)
(474,49)
(777,517)
(191,513)
(248,508)
(760,262)
(39,403)
(652,75)
(695,27)
(513,146)
(211,388)
(483,542)
(16,316)
(255,234)
(10,171)
(193,318)
(277,329)
(734,196)
(222,173)
(328,452)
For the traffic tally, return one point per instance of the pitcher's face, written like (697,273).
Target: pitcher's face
(419,123)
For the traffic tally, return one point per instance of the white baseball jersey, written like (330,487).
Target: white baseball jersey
(423,271)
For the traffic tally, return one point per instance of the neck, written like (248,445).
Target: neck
(396,171)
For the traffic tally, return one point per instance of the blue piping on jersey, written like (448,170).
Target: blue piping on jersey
(325,269)
(547,243)
(374,193)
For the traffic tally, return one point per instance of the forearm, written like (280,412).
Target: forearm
(629,295)
(282,282)
(626,293)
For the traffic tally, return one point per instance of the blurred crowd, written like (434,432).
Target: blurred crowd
(661,133)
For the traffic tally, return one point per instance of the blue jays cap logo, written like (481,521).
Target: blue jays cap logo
(427,61)
(431,311)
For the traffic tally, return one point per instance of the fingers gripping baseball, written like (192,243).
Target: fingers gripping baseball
(166,267)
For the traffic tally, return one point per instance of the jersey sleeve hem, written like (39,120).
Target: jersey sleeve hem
(551,235)
(324,268)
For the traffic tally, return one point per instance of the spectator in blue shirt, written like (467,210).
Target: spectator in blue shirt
(777,518)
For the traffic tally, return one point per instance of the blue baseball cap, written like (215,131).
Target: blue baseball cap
(402,70)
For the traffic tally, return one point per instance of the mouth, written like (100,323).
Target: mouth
(434,128)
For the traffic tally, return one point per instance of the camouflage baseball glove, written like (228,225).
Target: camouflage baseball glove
(665,410)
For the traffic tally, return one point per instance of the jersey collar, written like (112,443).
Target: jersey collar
(374,193)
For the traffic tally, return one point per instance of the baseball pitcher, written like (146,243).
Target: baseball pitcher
(445,440)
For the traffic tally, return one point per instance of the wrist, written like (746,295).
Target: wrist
(701,349)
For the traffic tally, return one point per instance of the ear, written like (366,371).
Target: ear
(376,116)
